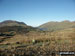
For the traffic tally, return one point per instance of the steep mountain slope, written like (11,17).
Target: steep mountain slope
(12,23)
(53,26)
(9,27)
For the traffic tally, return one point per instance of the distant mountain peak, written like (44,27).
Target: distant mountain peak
(9,21)
(12,23)
(66,21)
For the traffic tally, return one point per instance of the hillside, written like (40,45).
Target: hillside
(53,26)
(12,23)
(10,27)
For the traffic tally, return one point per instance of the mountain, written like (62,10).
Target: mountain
(12,23)
(10,27)
(53,26)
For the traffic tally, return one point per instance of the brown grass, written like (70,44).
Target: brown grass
(59,41)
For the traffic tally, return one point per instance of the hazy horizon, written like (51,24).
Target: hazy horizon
(35,13)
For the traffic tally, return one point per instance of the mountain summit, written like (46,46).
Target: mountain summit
(14,26)
(12,23)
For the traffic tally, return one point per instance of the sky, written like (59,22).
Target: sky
(37,12)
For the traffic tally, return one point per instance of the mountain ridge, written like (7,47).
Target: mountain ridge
(12,23)
(53,26)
